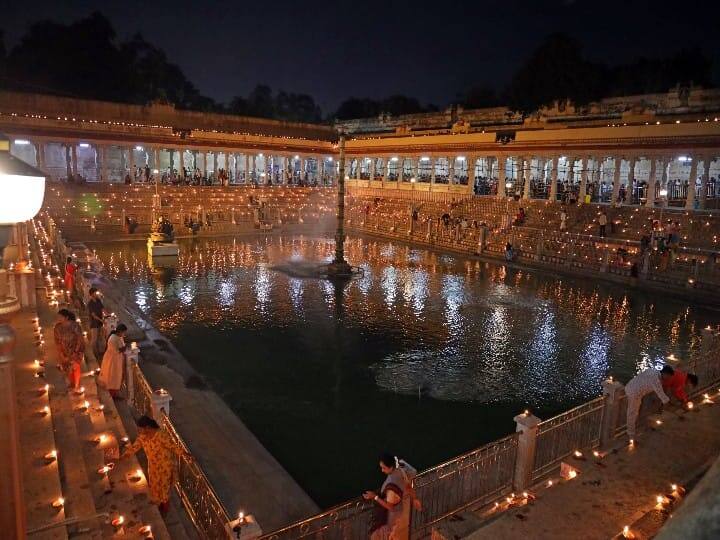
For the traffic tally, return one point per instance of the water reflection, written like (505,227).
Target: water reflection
(425,354)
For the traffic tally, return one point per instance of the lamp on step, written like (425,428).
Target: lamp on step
(22,188)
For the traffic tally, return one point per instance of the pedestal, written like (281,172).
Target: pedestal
(160,404)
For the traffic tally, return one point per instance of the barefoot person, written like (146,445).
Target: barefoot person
(644,383)
(70,346)
(162,454)
(113,364)
(70,269)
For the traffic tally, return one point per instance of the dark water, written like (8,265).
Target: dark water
(427,355)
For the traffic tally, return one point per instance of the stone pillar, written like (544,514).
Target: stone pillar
(358,166)
(216,162)
(501,177)
(12,511)
(613,392)
(432,172)
(690,200)
(160,403)
(650,201)
(527,428)
(372,169)
(553,180)
(583,179)
(707,160)
(526,177)
(74,159)
(471,160)
(156,160)
(631,176)
(616,180)
(247,168)
(451,170)
(401,173)
(570,174)
(40,155)
(181,163)
(320,170)
(131,160)
(103,156)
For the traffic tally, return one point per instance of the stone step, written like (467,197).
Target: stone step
(88,492)
(41,477)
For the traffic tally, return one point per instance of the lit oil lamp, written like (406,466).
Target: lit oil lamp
(136,475)
(58,503)
(118,522)
(51,456)
(44,411)
(44,389)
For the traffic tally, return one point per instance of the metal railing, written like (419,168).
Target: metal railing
(462,482)
(201,503)
(560,436)
(348,521)
(139,391)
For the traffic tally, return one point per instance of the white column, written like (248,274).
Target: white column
(372,169)
(583,179)
(432,171)
(707,160)
(501,177)
(247,168)
(471,161)
(553,180)
(690,200)
(616,180)
(131,160)
(526,176)
(631,176)
(451,170)
(74,157)
(651,195)
(401,174)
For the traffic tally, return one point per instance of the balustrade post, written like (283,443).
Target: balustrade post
(613,392)
(244,527)
(527,428)
(606,261)
(646,264)
(160,403)
(707,341)
(132,357)
(539,248)
(481,240)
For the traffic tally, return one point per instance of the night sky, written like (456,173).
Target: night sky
(366,48)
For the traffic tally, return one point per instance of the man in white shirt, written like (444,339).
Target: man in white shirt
(644,383)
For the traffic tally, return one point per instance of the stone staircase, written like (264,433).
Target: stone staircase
(70,445)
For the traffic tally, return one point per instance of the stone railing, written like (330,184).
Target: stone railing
(522,461)
(689,269)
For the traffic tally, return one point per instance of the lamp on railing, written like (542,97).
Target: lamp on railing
(23,189)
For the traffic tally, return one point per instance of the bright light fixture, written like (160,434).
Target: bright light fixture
(84,145)
(424,158)
(139,148)
(684,158)
(21,142)
(393,159)
(460,158)
(663,192)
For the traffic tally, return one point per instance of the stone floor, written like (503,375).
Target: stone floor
(619,489)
